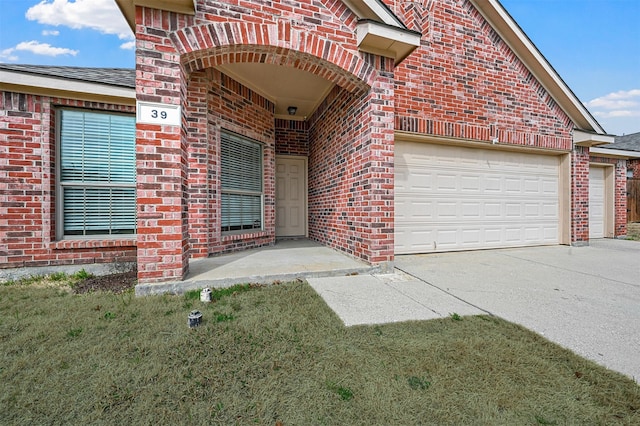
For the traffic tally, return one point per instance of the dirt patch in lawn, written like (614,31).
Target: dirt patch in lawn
(115,283)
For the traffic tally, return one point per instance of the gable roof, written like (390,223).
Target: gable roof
(93,84)
(538,65)
(373,35)
(378,31)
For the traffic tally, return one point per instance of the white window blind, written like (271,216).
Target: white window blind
(241,180)
(97,173)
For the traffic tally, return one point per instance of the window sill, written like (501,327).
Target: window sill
(244,235)
(94,243)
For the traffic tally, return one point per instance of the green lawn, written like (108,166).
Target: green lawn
(279,354)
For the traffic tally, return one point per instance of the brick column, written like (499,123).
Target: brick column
(200,156)
(378,172)
(580,196)
(620,198)
(161,157)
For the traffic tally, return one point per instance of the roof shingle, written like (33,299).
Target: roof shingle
(121,77)
(629,142)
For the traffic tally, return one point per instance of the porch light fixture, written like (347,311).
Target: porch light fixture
(292,110)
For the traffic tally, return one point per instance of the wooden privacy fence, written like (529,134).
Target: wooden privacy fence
(633,199)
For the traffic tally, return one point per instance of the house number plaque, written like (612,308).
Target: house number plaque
(153,113)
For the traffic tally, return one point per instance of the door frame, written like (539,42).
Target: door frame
(609,198)
(306,190)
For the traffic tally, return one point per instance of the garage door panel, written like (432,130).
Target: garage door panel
(471,210)
(492,184)
(481,198)
(470,183)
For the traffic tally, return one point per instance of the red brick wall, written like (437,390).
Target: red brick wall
(217,102)
(580,196)
(351,173)
(464,81)
(168,65)
(163,244)
(292,137)
(634,165)
(27,188)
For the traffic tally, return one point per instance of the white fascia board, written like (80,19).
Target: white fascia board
(386,41)
(495,8)
(40,84)
(582,138)
(393,35)
(383,13)
(614,153)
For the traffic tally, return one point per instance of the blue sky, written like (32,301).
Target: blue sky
(593,44)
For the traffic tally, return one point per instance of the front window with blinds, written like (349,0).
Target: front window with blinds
(241,179)
(96,174)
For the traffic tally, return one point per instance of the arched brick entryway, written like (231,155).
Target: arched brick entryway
(351,134)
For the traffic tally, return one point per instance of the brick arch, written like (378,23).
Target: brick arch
(212,44)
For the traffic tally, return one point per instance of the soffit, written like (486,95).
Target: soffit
(582,138)
(537,64)
(284,86)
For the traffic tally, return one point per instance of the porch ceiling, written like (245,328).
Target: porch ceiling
(284,86)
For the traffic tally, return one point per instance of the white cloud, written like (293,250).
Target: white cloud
(100,15)
(130,45)
(7,55)
(43,49)
(624,103)
(50,32)
(618,112)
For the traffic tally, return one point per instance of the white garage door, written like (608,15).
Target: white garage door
(596,202)
(457,198)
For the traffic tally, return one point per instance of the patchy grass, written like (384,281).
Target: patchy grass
(60,280)
(279,354)
(633,231)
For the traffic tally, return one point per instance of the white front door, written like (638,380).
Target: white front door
(291,199)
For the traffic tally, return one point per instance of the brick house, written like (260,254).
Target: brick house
(375,128)
(627,147)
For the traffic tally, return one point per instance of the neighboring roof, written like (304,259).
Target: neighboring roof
(627,146)
(122,77)
(627,142)
(94,84)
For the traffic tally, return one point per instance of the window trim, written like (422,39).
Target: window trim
(60,186)
(261,194)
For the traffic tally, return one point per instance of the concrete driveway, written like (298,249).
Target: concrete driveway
(586,299)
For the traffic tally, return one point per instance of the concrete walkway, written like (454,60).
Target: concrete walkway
(287,260)
(586,299)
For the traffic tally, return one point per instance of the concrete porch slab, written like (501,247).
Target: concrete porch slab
(287,260)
